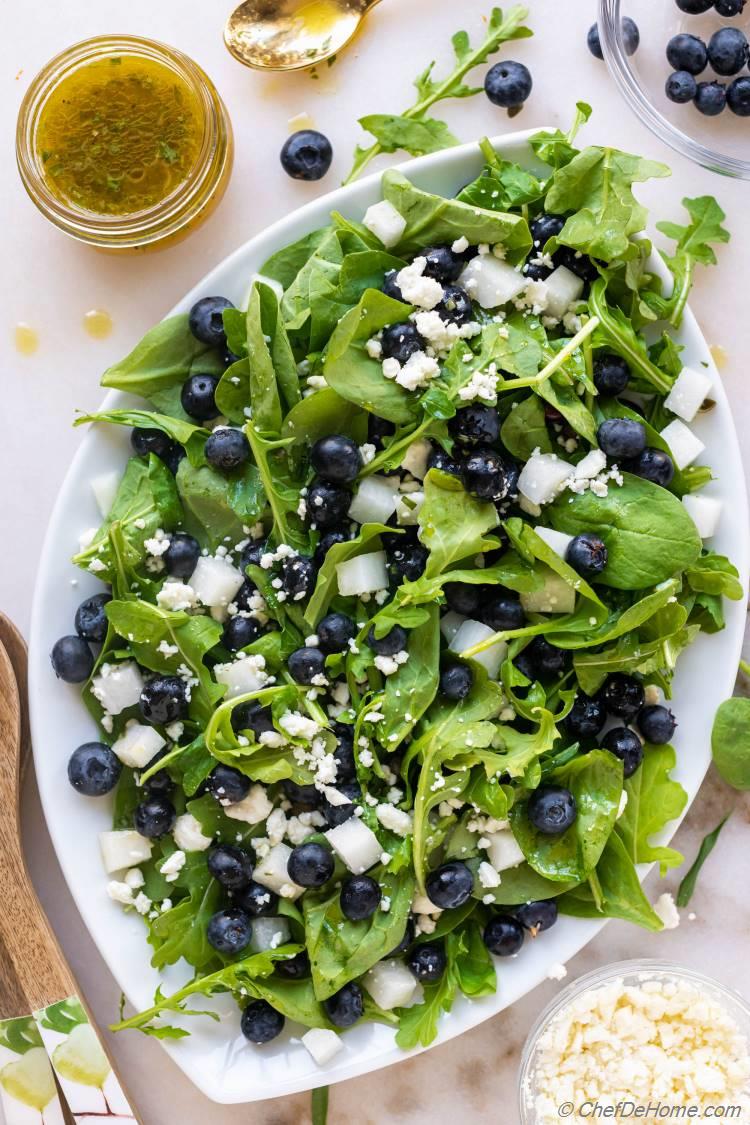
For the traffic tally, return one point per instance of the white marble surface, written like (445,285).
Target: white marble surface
(51,282)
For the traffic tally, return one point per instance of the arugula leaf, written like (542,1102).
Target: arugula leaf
(414,129)
(688,884)
(319,1106)
(556,148)
(181,931)
(613,892)
(166,356)
(715,574)
(192,437)
(616,330)
(451,523)
(730,741)
(218,505)
(502,184)
(654,799)
(694,246)
(325,584)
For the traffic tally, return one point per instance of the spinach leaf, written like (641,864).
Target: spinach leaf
(325,585)
(273,370)
(283,266)
(432,219)
(654,799)
(730,741)
(708,843)
(648,534)
(595,780)
(320,414)
(452,524)
(281,492)
(218,505)
(165,357)
(616,408)
(523,884)
(525,429)
(192,437)
(694,246)
(411,690)
(614,891)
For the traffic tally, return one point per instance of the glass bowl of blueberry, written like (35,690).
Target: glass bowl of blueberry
(682,66)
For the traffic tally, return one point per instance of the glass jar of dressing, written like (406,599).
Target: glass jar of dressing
(124,143)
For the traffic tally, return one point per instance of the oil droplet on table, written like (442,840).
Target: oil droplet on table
(97,323)
(719,356)
(26,338)
(300,121)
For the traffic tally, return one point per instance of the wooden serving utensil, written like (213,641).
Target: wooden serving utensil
(42,1017)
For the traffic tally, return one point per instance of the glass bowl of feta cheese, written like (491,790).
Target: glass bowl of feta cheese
(638,1033)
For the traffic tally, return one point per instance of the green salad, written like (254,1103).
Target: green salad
(397,579)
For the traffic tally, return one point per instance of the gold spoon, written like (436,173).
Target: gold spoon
(292,34)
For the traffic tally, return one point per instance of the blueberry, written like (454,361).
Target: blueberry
(297,577)
(228,357)
(327,504)
(611,374)
(586,717)
(455,306)
(243,598)
(378,429)
(456,681)
(578,263)
(464,597)
(738,97)
(207,323)
(230,866)
(443,461)
(360,897)
(544,227)
(335,630)
(536,271)
(227,449)
(694,7)
(145,440)
(681,87)
(450,886)
(710,98)
(154,817)
(547,659)
(475,425)
(198,397)
(336,458)
(729,8)
(407,564)
(310,865)
(239,632)
(260,1023)
(406,940)
(346,1006)
(654,465)
(623,695)
(728,50)
(427,962)
(227,784)
(306,795)
(508,84)
(552,809)
(625,745)
(94,769)
(91,618)
(502,611)
(305,664)
(72,659)
(229,931)
(484,474)
(294,968)
(337,814)
(252,553)
(587,554)
(656,723)
(503,935)
(631,38)
(401,341)
(390,285)
(182,554)
(163,699)
(621,438)
(173,457)
(442,263)
(687,52)
(306,155)
(341,534)
(395,640)
(160,782)
(537,916)
(346,769)
(252,716)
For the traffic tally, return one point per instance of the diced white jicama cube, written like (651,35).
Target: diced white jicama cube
(118,686)
(355,844)
(450,623)
(591,465)
(473,633)
(375,500)
(557,540)
(272,872)
(269,933)
(364,575)
(138,745)
(688,392)
(215,581)
(555,596)
(385,222)
(503,852)
(421,904)
(188,834)
(491,282)
(86,538)
(407,507)
(683,444)
(415,458)
(251,809)
(529,507)
(242,676)
(105,488)
(705,513)
(123,849)
(390,984)
(563,288)
(543,476)
(322,1044)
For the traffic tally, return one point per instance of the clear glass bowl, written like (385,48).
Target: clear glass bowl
(721,144)
(631,972)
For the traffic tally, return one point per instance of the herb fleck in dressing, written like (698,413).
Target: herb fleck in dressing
(119,134)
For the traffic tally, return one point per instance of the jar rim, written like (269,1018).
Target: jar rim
(149,224)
